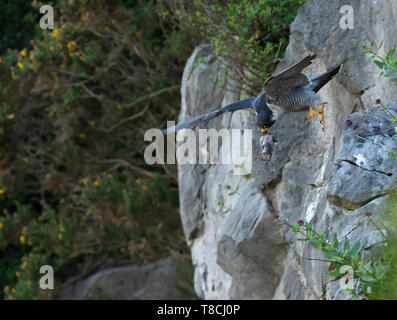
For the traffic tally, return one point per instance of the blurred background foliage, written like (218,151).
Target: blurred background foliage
(75,192)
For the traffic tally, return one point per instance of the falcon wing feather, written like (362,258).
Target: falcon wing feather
(288,78)
(239,105)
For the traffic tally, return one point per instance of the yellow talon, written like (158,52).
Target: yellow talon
(265,129)
(317,112)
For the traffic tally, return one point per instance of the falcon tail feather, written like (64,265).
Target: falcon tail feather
(321,80)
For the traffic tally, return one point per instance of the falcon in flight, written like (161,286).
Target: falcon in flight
(289,90)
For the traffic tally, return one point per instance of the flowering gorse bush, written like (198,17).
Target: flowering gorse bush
(74,188)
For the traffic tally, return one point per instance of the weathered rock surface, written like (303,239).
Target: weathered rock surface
(327,178)
(156,281)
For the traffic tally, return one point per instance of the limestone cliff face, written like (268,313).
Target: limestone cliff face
(327,178)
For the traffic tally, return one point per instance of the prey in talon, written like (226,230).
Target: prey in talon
(266,142)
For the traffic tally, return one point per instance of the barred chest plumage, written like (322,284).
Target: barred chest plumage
(296,99)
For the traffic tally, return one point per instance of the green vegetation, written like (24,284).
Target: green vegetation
(388,252)
(74,105)
(249,36)
(74,188)
(368,275)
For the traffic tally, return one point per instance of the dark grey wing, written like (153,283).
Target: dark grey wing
(242,104)
(287,79)
(317,82)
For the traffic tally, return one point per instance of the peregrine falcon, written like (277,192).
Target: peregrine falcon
(289,90)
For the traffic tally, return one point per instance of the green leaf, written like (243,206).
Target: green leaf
(390,53)
(332,266)
(379,64)
(335,242)
(390,73)
(355,248)
(357,297)
(315,243)
(335,274)
(334,258)
(346,246)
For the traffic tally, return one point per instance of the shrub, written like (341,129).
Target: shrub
(249,36)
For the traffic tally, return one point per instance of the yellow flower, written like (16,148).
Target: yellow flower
(52,48)
(82,135)
(71,46)
(13,290)
(119,107)
(11,116)
(22,239)
(1,225)
(20,65)
(60,236)
(85,181)
(55,33)
(24,264)
(1,191)
(96,183)
(92,123)
(81,58)
(23,53)
(62,66)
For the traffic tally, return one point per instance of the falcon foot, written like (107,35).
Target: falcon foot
(265,129)
(316,112)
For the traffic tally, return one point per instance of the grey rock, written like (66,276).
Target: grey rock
(156,281)
(363,170)
(251,248)
(329,179)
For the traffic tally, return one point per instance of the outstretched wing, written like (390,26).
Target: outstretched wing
(242,104)
(287,79)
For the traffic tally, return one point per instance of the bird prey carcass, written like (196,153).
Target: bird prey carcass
(289,90)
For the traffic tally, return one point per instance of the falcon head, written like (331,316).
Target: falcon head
(265,119)
(265,115)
